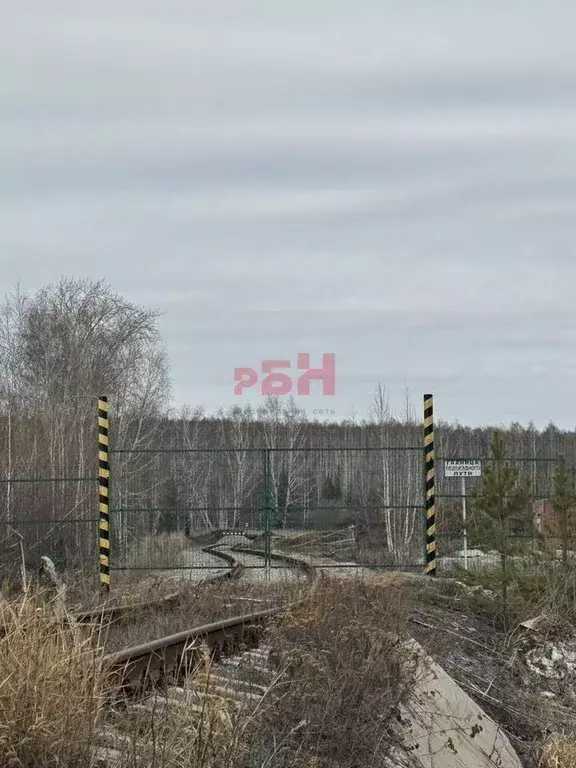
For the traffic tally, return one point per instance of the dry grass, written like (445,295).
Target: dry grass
(345,674)
(346,670)
(52,689)
(54,713)
(199,604)
(548,588)
(158,551)
(171,736)
(558,752)
(536,586)
(147,581)
(340,546)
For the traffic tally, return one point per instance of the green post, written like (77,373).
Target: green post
(266,512)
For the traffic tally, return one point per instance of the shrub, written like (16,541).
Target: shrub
(346,670)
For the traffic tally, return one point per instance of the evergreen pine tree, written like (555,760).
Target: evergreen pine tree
(502,499)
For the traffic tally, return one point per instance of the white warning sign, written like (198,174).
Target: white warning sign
(462,468)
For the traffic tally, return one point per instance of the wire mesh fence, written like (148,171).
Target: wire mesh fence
(339,506)
(54,516)
(464,537)
(360,505)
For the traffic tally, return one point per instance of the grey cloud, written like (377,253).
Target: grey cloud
(394,184)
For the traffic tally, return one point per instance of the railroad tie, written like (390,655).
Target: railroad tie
(224,681)
(228,681)
(220,681)
(237,664)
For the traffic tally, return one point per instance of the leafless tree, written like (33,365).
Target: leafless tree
(242,463)
(59,350)
(68,343)
(284,430)
(380,414)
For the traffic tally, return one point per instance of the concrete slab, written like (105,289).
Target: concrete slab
(442,727)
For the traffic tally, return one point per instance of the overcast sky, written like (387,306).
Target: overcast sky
(391,182)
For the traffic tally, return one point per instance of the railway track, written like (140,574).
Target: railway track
(107,614)
(254,568)
(237,684)
(217,661)
(173,657)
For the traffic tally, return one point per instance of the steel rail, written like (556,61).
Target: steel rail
(115,612)
(136,668)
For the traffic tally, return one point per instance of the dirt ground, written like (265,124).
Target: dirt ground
(508,673)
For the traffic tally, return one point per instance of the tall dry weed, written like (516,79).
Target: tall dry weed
(558,752)
(345,673)
(211,734)
(160,550)
(346,670)
(52,688)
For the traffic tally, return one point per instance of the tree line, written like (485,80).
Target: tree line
(68,343)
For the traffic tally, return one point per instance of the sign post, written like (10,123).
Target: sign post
(463,469)
(464,532)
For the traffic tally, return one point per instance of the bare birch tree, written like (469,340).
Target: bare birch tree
(242,463)
(194,468)
(284,428)
(410,490)
(60,349)
(380,414)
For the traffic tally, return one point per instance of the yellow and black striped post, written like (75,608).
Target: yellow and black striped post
(103,492)
(430,489)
